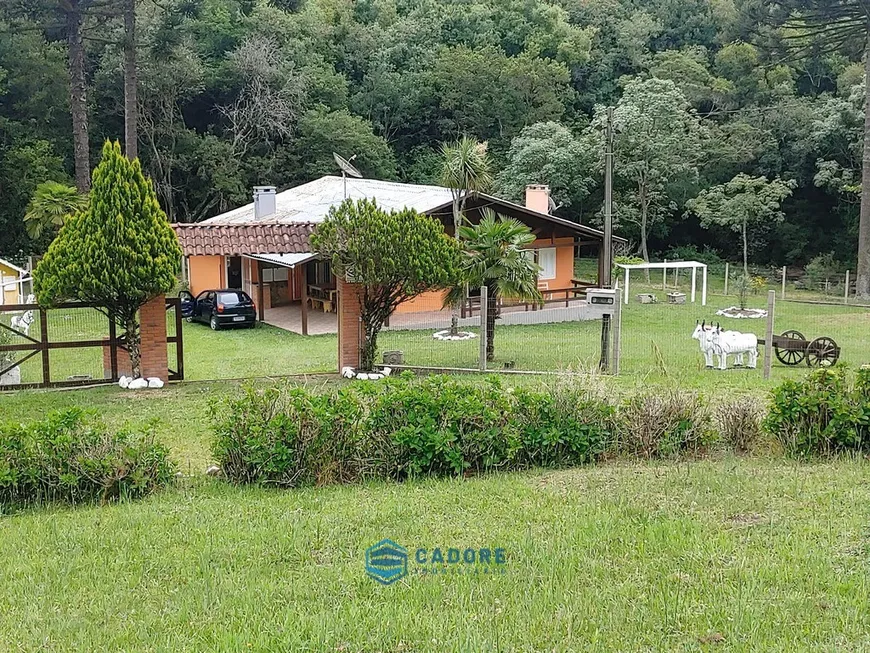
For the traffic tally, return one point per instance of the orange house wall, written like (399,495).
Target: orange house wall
(206,272)
(434,301)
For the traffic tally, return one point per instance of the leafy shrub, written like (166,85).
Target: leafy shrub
(73,457)
(693,253)
(663,424)
(624,260)
(739,421)
(824,267)
(824,413)
(400,428)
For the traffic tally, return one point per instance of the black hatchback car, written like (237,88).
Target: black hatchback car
(219,308)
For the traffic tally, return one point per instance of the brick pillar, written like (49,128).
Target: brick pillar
(349,331)
(152,323)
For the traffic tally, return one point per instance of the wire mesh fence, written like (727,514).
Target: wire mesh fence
(76,354)
(657,326)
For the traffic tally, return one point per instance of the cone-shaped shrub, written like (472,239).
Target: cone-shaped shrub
(118,253)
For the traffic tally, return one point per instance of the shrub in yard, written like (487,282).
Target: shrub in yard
(403,427)
(825,413)
(663,424)
(738,422)
(73,457)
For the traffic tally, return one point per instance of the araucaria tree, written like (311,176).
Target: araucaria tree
(394,255)
(118,253)
(744,204)
(493,256)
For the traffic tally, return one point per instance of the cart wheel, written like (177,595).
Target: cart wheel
(823,352)
(791,355)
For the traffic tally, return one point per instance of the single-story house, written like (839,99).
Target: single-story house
(263,247)
(12,282)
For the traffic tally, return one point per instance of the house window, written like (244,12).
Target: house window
(546,258)
(319,273)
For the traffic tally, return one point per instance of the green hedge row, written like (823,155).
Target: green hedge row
(439,426)
(827,412)
(73,457)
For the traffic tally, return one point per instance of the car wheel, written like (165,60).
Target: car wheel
(213,323)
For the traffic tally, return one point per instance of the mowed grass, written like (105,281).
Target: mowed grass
(731,554)
(656,344)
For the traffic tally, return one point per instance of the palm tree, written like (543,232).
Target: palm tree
(52,203)
(465,171)
(493,255)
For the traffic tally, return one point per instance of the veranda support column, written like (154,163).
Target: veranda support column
(627,280)
(304,293)
(783,283)
(726,279)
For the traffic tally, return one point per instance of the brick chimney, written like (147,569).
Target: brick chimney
(264,202)
(538,198)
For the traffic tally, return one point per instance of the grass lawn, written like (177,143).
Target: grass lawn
(732,554)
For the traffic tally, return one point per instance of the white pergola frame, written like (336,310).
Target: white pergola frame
(675,265)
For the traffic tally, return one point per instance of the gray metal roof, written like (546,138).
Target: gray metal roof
(311,202)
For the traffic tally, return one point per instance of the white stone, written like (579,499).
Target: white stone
(213,470)
(154,382)
(138,384)
(124,382)
(362,376)
(347,372)
(387,371)
(12,377)
(375,377)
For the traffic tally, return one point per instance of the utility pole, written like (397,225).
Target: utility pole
(607,254)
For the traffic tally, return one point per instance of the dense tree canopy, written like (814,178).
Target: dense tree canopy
(234,93)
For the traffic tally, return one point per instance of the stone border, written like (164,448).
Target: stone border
(445,336)
(350,373)
(736,312)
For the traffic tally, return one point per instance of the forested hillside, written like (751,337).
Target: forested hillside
(233,93)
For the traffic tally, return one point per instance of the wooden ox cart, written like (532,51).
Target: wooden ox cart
(792,348)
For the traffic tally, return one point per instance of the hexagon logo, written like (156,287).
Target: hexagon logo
(387,562)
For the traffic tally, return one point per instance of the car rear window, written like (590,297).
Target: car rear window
(232,298)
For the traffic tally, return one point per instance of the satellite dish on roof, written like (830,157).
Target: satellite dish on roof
(553,207)
(346,169)
(346,166)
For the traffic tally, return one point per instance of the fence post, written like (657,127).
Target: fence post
(846,294)
(616,333)
(484,313)
(665,276)
(43,336)
(726,278)
(783,283)
(768,334)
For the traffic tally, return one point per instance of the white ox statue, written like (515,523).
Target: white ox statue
(713,340)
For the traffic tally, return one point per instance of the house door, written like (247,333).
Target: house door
(234,272)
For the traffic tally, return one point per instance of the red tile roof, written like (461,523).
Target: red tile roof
(236,240)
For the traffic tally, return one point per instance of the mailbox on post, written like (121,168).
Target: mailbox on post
(601,302)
